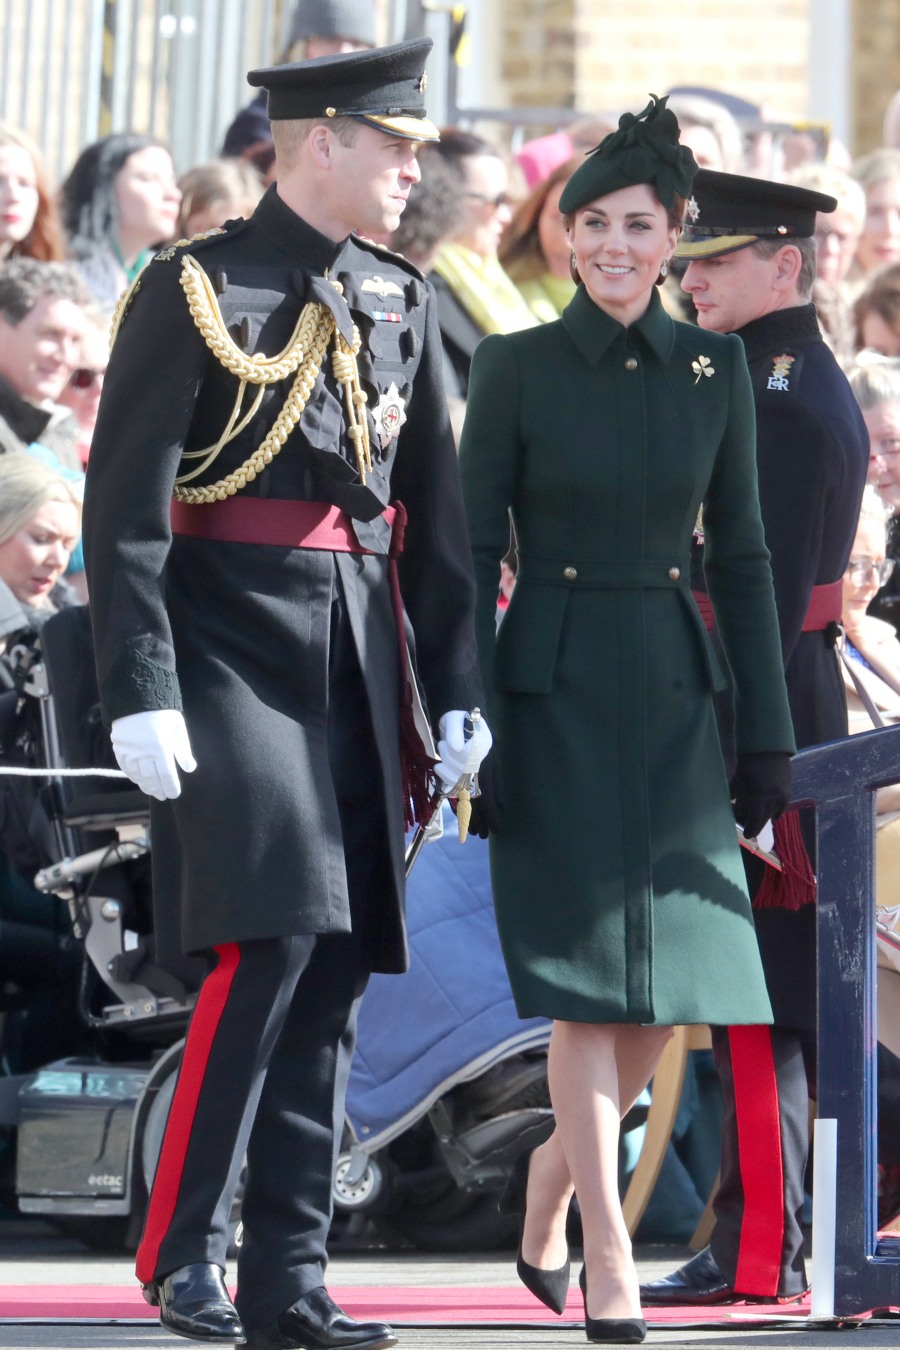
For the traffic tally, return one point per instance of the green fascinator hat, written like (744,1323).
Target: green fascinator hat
(645,149)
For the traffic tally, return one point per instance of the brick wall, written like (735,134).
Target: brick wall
(597,55)
(875,67)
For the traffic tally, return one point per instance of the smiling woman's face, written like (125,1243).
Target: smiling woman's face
(619,242)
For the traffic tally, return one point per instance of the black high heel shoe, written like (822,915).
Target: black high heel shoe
(611,1330)
(550,1286)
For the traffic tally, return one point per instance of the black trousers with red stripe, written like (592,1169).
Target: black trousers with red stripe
(267,1057)
(768,1076)
(264,1074)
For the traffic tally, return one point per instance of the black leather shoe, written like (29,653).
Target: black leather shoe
(611,1330)
(699,1281)
(194,1302)
(315,1322)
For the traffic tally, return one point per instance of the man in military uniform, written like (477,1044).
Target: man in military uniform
(272,389)
(751,265)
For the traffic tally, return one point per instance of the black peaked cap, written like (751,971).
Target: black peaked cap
(384,86)
(728,211)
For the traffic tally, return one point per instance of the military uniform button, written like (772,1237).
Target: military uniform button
(570,573)
(674,573)
(631,363)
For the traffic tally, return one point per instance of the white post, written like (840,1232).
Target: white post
(823,1224)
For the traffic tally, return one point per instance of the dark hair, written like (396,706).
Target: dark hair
(25,281)
(881,296)
(433,210)
(520,248)
(456,145)
(44,240)
(88,196)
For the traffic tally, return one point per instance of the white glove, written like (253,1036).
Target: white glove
(458,755)
(148,745)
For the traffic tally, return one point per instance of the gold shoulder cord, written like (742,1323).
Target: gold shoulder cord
(304,353)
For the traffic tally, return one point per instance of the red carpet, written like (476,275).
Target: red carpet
(412,1305)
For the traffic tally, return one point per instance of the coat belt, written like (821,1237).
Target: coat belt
(319,525)
(653,574)
(824,607)
(273,520)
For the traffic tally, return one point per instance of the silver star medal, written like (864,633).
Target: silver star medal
(389,415)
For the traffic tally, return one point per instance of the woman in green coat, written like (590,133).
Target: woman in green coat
(618,885)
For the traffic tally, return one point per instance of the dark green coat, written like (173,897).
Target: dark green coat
(619,890)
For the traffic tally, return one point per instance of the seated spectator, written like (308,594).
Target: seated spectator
(837,235)
(40,521)
(84,386)
(878,173)
(224,189)
(318,28)
(29,222)
(534,249)
(876,312)
(875,381)
(43,322)
(119,203)
(474,294)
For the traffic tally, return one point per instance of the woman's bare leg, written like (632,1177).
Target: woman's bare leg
(550,1187)
(584,1066)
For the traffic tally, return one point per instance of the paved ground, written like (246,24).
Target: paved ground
(31,1253)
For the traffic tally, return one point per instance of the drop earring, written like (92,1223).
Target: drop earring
(664,268)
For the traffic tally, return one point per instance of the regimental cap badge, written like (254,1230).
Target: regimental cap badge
(781,371)
(692,211)
(380,287)
(423,82)
(389,415)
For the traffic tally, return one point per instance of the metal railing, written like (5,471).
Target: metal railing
(74,70)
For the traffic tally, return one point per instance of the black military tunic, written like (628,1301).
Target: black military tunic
(239,634)
(812,455)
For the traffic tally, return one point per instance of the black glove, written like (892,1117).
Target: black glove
(487,807)
(760,789)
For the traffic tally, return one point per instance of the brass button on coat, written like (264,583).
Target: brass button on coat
(570,573)
(674,573)
(631,363)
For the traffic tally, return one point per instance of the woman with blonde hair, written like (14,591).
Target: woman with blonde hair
(40,522)
(223,189)
(29,223)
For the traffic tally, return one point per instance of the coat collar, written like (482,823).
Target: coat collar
(781,328)
(292,235)
(594,331)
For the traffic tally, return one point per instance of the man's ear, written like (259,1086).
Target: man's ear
(321,145)
(788,264)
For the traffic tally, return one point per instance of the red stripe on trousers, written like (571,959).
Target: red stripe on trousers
(197,1049)
(759,1150)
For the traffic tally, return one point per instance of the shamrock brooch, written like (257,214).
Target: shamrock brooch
(702,367)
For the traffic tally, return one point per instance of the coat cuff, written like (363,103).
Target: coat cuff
(138,684)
